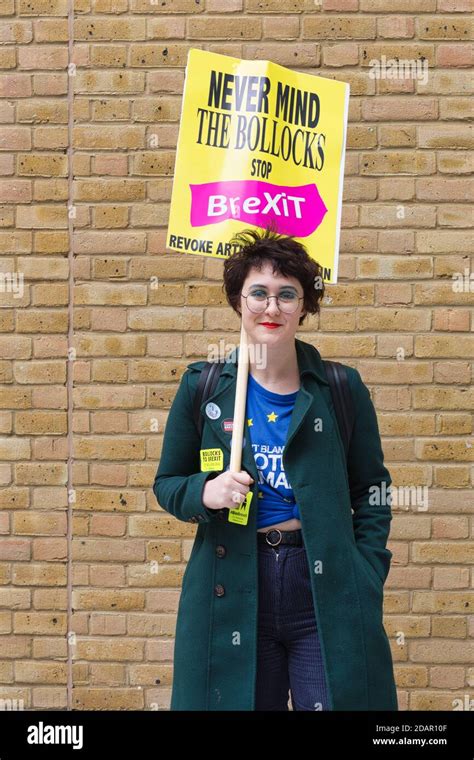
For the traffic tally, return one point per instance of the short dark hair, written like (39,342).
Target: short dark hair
(288,257)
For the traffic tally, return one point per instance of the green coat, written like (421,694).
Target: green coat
(216,632)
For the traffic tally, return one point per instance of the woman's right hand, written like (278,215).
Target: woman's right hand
(229,490)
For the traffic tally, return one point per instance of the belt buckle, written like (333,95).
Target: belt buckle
(274,530)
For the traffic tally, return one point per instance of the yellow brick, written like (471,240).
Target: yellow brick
(109,29)
(111,216)
(41,111)
(443,601)
(113,109)
(40,623)
(40,672)
(113,601)
(410,676)
(15,448)
(120,137)
(114,295)
(39,574)
(44,473)
(118,500)
(108,699)
(110,190)
(41,216)
(41,372)
(40,164)
(449,627)
(338,27)
(41,423)
(104,448)
(443,551)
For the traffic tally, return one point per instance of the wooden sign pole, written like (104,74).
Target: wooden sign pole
(240,403)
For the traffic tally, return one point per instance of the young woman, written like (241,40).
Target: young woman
(288,606)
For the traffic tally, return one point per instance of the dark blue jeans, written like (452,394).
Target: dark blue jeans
(288,650)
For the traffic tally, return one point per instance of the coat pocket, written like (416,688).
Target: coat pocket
(369,570)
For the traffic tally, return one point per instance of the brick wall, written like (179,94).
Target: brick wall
(100,329)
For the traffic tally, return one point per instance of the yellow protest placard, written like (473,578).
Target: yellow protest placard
(258,142)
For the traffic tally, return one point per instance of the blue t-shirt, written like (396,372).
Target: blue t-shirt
(268,417)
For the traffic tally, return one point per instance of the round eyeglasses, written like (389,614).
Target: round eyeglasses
(287,302)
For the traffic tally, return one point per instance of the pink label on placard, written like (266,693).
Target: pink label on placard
(297,210)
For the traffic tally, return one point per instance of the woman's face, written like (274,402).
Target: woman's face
(264,280)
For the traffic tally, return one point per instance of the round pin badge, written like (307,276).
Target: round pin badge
(213,411)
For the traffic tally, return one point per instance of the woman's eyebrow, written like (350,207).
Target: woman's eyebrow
(282,287)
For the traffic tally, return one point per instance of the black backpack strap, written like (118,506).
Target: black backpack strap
(342,400)
(206,386)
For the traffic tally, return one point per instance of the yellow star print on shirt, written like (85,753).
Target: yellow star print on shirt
(250,422)
(272,417)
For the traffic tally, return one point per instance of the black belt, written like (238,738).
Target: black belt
(275,537)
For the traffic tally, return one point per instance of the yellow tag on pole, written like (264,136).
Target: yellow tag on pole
(240,514)
(212,459)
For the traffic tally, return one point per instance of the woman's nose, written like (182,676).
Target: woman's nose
(272,306)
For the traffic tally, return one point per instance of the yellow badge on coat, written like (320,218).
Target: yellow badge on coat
(212,459)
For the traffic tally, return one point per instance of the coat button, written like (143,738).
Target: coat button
(220,550)
(219,590)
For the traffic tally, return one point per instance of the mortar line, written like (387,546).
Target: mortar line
(70,354)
